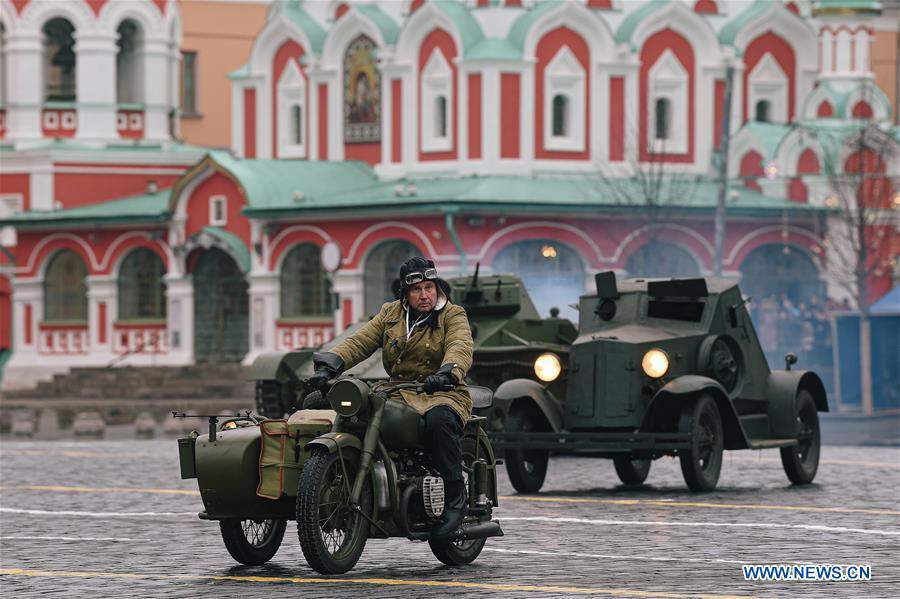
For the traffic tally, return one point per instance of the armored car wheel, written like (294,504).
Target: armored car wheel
(332,533)
(252,542)
(527,468)
(702,462)
(802,460)
(632,471)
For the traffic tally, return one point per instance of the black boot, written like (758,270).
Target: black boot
(455,508)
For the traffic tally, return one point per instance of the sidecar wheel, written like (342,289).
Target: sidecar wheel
(332,535)
(632,471)
(252,542)
(527,468)
(457,553)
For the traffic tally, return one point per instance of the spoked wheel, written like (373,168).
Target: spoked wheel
(527,468)
(632,471)
(702,463)
(252,542)
(332,533)
(802,460)
(458,553)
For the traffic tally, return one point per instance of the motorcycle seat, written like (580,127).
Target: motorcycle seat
(482,397)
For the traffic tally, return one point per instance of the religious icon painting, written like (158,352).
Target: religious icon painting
(362,92)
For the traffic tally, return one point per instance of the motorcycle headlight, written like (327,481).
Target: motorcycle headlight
(349,397)
(655,363)
(547,367)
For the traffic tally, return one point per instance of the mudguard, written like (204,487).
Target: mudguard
(332,441)
(513,391)
(665,406)
(278,366)
(782,387)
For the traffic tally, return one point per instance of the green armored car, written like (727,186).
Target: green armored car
(663,367)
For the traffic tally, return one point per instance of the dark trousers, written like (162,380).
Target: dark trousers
(443,431)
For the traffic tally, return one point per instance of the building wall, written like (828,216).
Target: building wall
(886,64)
(221,33)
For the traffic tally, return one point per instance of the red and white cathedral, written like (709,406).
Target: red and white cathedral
(519,135)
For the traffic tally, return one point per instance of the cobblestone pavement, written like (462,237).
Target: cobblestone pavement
(113,518)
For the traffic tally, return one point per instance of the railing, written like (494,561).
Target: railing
(63,338)
(295,335)
(143,338)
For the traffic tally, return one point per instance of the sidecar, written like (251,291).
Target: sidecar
(248,469)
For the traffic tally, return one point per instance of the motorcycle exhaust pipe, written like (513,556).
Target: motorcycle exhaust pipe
(482,530)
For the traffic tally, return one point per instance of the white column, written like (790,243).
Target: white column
(264,291)
(157,59)
(180,326)
(348,285)
(490,107)
(24,86)
(22,370)
(96,85)
(174,85)
(101,289)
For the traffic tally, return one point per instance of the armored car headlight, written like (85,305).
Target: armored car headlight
(655,363)
(547,367)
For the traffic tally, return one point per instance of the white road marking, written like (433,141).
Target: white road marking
(641,558)
(809,527)
(11,510)
(34,538)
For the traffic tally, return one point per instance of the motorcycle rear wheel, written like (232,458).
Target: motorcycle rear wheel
(332,535)
(457,553)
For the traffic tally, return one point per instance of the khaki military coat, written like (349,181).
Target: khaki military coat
(447,341)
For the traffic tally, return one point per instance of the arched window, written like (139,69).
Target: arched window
(142,292)
(297,124)
(129,77)
(779,271)
(440,117)
(661,259)
(305,288)
(560,115)
(762,111)
(662,112)
(382,266)
(553,274)
(65,289)
(59,61)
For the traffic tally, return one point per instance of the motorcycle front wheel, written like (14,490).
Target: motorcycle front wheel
(332,533)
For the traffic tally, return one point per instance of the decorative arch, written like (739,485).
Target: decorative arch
(659,258)
(151,20)
(289,59)
(36,14)
(274,35)
(802,239)
(825,110)
(706,7)
(782,23)
(386,230)
(565,233)
(125,243)
(37,259)
(305,287)
(562,49)
(751,169)
(681,19)
(291,236)
(781,268)
(685,237)
(421,23)
(350,26)
(580,20)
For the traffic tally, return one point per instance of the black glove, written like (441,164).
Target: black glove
(442,380)
(328,366)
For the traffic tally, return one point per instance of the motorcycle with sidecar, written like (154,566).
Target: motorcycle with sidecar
(354,472)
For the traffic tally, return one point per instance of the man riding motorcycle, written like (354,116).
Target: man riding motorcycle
(423,337)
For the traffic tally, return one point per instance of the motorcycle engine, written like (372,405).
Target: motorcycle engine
(432,488)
